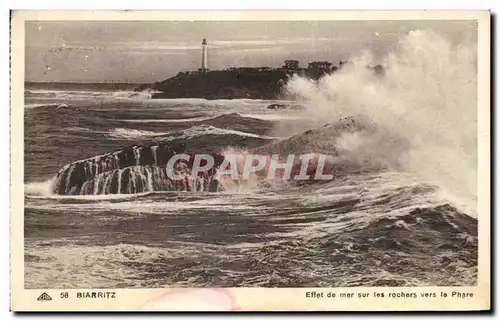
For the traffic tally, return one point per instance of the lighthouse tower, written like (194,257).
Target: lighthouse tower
(204,66)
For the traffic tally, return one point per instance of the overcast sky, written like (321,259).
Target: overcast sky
(147,51)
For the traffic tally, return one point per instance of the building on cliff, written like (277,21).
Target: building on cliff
(240,82)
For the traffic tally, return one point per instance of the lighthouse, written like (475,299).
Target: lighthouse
(204,66)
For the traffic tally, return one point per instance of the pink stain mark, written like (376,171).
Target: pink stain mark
(311,167)
(193,300)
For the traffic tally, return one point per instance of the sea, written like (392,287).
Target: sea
(400,210)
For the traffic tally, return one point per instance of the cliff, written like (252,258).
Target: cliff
(222,84)
(234,83)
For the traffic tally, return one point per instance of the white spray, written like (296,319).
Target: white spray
(428,95)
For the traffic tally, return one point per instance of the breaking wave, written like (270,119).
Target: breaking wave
(427,95)
(38,188)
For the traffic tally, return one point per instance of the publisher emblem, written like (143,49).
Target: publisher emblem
(44,297)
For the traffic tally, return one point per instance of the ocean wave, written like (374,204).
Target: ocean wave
(219,102)
(431,246)
(131,203)
(70,264)
(276,116)
(203,130)
(41,193)
(81,130)
(386,193)
(38,188)
(132,94)
(37,105)
(79,95)
(190,133)
(158,120)
(224,117)
(127,133)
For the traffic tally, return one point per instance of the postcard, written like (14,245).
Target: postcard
(250,160)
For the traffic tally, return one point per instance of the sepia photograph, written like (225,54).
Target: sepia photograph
(182,153)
